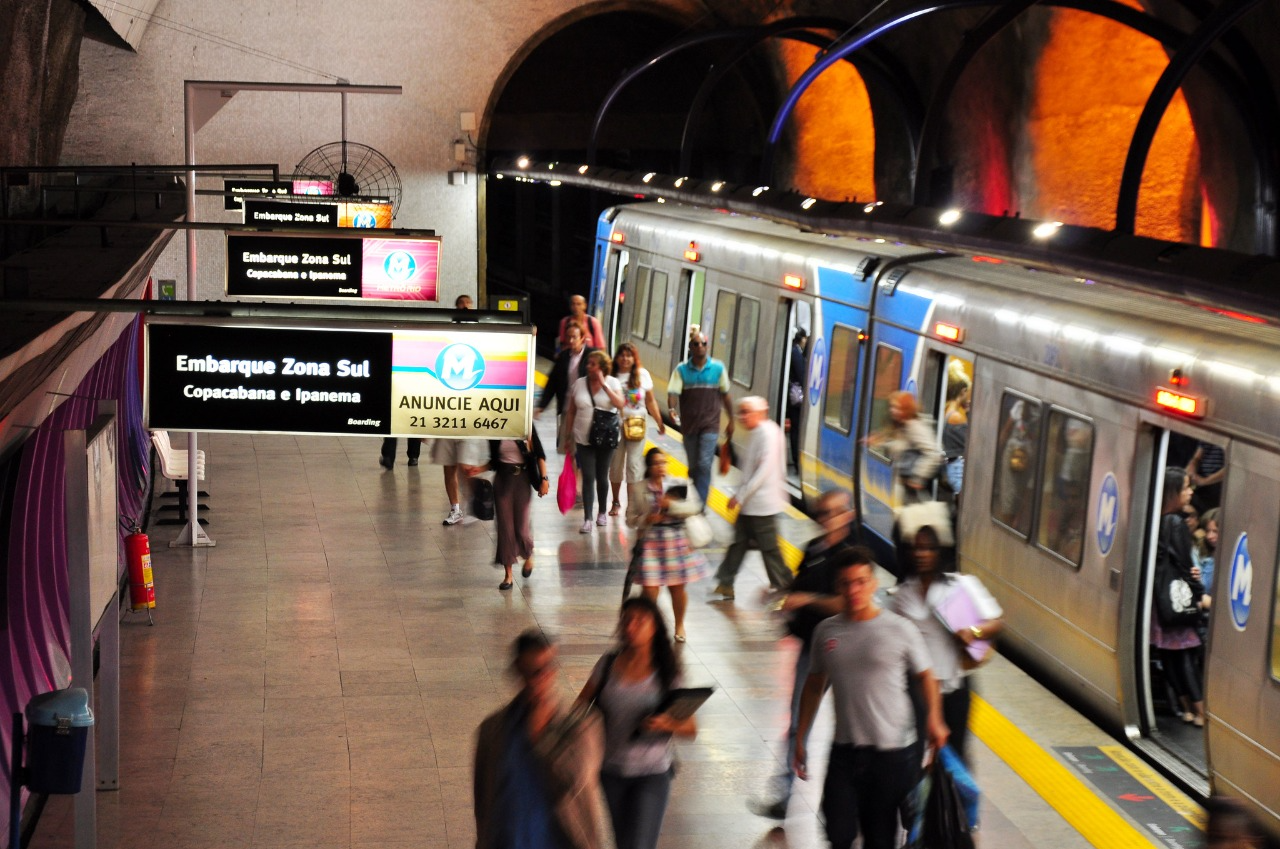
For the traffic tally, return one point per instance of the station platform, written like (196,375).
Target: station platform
(317,677)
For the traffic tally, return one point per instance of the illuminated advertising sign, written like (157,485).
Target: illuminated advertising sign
(365,215)
(287,265)
(313,186)
(230,375)
(236,190)
(270,213)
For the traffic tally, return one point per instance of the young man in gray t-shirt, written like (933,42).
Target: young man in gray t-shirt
(866,654)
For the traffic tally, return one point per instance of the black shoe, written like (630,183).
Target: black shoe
(413,461)
(385,461)
(505,585)
(771,810)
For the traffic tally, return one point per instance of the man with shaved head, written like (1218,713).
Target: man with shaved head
(701,386)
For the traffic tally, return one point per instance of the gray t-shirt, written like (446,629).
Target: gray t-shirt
(624,704)
(867,664)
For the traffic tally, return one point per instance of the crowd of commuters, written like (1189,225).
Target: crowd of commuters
(897,661)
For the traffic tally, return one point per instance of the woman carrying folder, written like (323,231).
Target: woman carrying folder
(955,614)
(627,686)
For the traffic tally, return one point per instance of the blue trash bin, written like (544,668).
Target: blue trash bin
(56,740)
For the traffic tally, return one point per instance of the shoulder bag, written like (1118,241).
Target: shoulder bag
(633,428)
(604,427)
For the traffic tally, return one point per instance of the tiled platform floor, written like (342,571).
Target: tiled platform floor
(316,678)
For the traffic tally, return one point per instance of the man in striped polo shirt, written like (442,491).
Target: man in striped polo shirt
(700,385)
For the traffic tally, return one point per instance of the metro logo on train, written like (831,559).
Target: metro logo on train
(1108,513)
(1241,583)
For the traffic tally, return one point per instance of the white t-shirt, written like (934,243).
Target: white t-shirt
(635,397)
(583,403)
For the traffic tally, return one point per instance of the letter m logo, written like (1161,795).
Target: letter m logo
(460,367)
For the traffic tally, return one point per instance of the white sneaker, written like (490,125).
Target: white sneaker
(586,527)
(455,515)
(602,520)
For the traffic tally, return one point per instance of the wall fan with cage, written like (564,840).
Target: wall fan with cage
(350,170)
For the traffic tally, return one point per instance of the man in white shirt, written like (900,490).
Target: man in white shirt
(762,496)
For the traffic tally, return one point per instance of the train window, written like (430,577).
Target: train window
(842,373)
(640,304)
(722,341)
(657,307)
(1064,494)
(745,336)
(887,380)
(1017,443)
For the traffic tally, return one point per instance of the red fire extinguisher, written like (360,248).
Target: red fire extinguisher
(142,588)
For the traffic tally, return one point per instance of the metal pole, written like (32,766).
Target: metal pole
(16,780)
(192,534)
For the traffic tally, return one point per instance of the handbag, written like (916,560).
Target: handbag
(633,428)
(698,531)
(604,429)
(946,825)
(482,502)
(567,486)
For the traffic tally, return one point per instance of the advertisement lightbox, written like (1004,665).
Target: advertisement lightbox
(400,267)
(246,376)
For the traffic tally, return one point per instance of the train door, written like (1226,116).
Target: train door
(614,294)
(688,313)
(946,391)
(836,374)
(1171,658)
(787,394)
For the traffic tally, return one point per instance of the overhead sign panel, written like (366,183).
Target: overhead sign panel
(238,190)
(285,265)
(273,213)
(435,381)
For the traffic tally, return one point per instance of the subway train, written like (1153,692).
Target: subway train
(1080,392)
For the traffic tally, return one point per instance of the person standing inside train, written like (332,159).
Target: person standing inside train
(589,324)
(628,457)
(700,385)
(911,444)
(570,364)
(918,598)
(1173,631)
(795,394)
(867,654)
(762,495)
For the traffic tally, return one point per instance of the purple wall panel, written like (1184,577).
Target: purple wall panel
(34,647)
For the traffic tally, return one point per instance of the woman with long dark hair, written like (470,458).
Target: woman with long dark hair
(599,390)
(627,685)
(520,470)
(637,387)
(664,557)
(1178,643)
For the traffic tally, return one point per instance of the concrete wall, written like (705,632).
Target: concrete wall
(447,57)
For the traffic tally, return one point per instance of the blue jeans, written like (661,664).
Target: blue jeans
(637,805)
(700,448)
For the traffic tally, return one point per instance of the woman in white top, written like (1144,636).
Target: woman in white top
(597,391)
(918,599)
(637,386)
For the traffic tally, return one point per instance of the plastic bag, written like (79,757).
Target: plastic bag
(726,456)
(966,787)
(698,531)
(946,825)
(567,486)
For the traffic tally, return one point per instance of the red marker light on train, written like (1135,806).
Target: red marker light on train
(994,260)
(948,331)
(691,253)
(1179,403)
(617,238)
(793,281)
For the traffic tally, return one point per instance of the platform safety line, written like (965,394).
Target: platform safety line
(1095,820)
(1158,785)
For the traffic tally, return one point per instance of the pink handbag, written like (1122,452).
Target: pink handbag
(567,487)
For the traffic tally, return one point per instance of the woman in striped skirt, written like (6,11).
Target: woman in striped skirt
(665,558)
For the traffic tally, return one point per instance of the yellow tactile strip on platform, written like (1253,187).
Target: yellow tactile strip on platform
(1078,804)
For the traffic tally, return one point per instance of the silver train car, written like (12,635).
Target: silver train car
(1082,391)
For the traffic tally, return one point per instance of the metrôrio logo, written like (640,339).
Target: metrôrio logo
(365,220)
(460,366)
(400,266)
